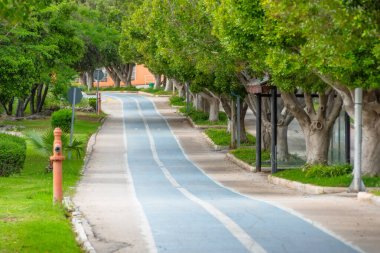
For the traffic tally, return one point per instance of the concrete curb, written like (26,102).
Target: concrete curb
(213,145)
(77,222)
(240,163)
(305,188)
(369,197)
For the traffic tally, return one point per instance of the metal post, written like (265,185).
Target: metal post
(274,129)
(238,120)
(72,123)
(258,133)
(347,136)
(357,184)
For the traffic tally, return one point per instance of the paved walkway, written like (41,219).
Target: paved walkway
(161,202)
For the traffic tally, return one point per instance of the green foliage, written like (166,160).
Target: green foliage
(248,155)
(44,143)
(29,221)
(223,138)
(12,154)
(177,101)
(316,171)
(92,102)
(343,180)
(61,119)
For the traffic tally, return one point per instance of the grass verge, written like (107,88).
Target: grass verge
(223,138)
(248,155)
(28,220)
(157,91)
(331,181)
(177,101)
(201,118)
(377,193)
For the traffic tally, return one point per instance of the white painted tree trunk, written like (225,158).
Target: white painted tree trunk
(214,110)
(169,84)
(90,79)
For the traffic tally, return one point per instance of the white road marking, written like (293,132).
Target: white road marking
(245,239)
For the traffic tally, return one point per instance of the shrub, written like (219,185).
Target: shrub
(328,171)
(12,154)
(177,101)
(92,103)
(61,119)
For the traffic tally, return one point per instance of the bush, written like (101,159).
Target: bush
(12,154)
(92,103)
(61,119)
(177,101)
(318,171)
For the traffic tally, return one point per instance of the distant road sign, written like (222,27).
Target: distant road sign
(98,75)
(74,95)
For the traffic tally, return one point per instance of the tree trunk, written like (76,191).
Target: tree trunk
(157,81)
(316,124)
(214,110)
(243,112)
(266,133)
(115,78)
(371,148)
(282,143)
(20,108)
(82,78)
(124,72)
(317,145)
(32,99)
(179,87)
(90,79)
(233,143)
(8,106)
(169,84)
(42,98)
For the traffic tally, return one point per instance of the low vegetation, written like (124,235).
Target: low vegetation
(248,155)
(201,118)
(28,220)
(223,138)
(321,175)
(157,91)
(177,101)
(12,154)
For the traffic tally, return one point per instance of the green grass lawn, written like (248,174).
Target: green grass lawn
(223,138)
(377,193)
(337,181)
(201,118)
(28,220)
(248,155)
(177,101)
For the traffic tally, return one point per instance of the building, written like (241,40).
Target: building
(140,76)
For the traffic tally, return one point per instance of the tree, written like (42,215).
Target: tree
(341,46)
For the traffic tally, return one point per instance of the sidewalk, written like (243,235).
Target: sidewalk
(105,195)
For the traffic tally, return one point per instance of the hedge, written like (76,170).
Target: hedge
(12,154)
(61,119)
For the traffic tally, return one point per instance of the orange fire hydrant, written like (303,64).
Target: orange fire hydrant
(99,102)
(57,159)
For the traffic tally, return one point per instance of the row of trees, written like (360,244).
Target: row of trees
(217,47)
(44,44)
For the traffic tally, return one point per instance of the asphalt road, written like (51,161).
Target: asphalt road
(184,210)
